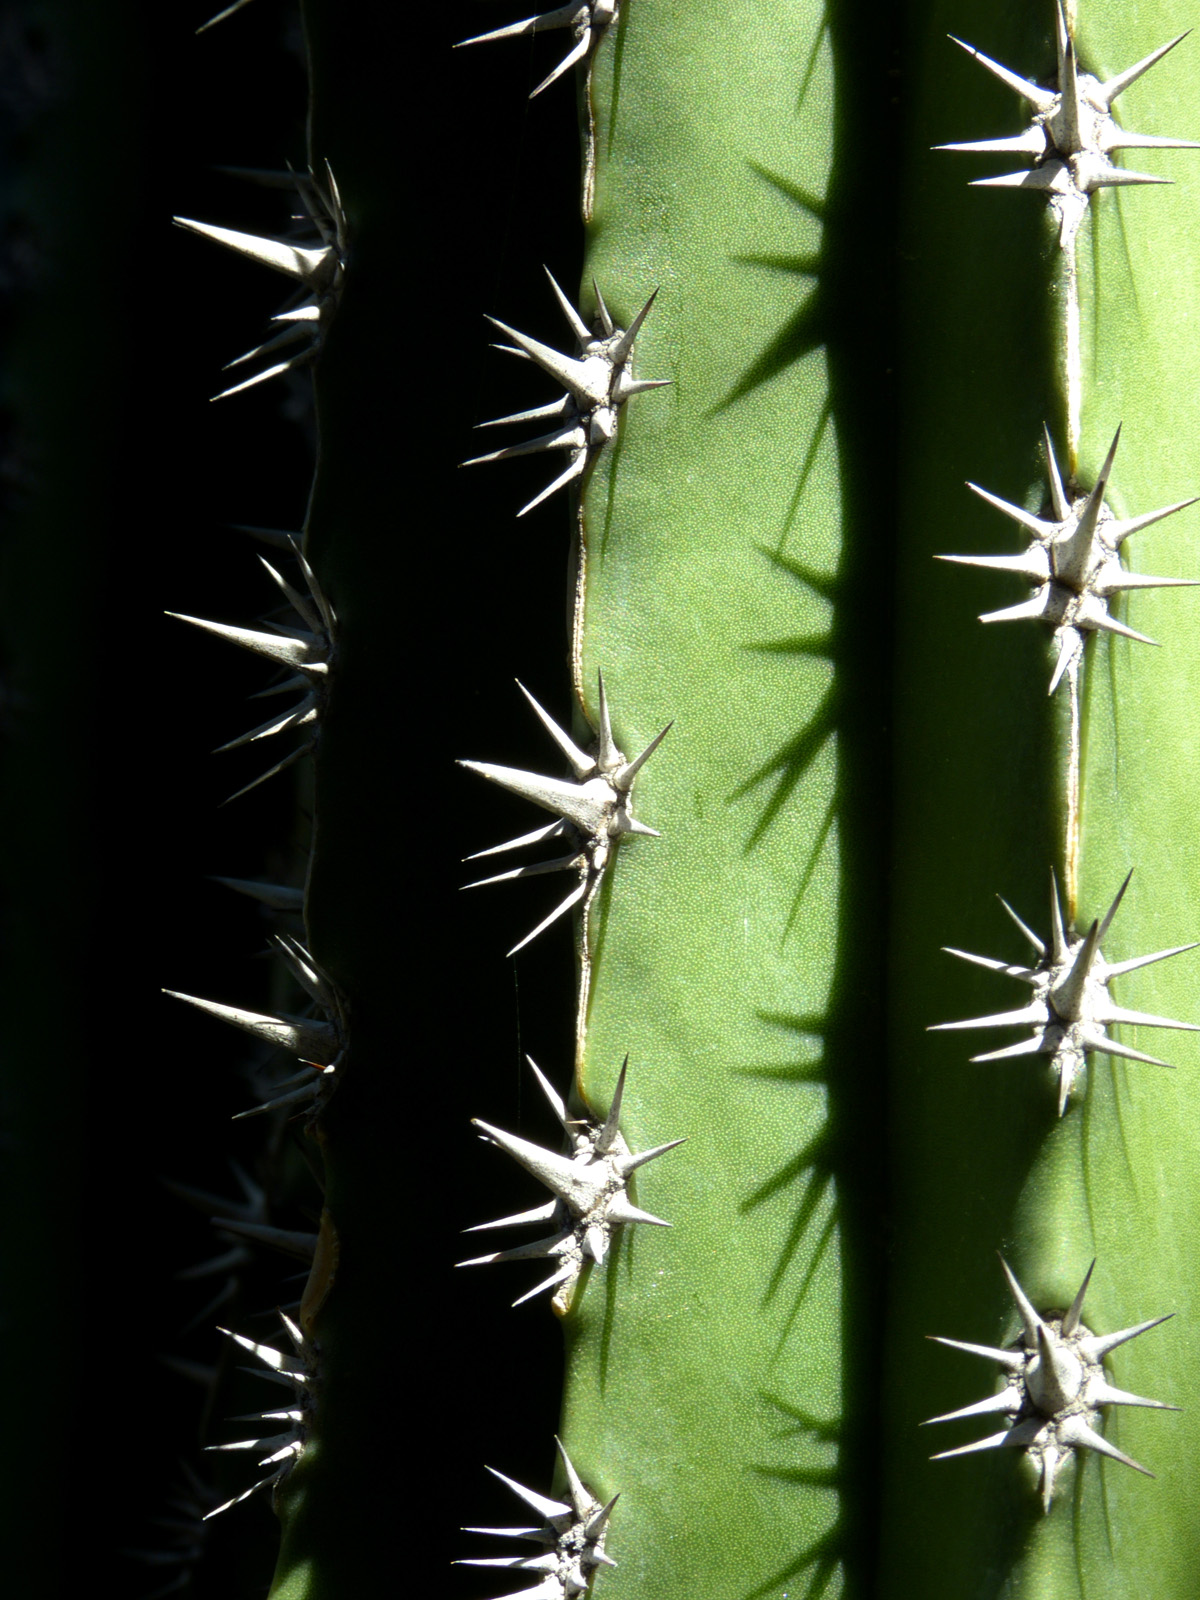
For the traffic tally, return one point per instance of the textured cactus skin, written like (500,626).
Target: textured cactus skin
(696,950)
(719,960)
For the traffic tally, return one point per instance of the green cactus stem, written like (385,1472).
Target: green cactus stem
(850,326)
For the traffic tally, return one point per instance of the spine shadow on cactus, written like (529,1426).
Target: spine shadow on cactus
(846,294)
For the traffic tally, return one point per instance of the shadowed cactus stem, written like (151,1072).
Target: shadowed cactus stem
(598,381)
(594,808)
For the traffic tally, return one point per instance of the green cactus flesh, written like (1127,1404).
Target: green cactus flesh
(857,768)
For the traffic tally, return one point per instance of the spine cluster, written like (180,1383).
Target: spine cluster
(594,811)
(1056,1387)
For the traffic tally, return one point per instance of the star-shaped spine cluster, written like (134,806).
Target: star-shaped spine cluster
(1074,563)
(315,261)
(297,1371)
(318,1041)
(598,382)
(286,900)
(1055,1385)
(571,1535)
(590,1187)
(305,654)
(1073,133)
(1071,1007)
(594,809)
(588,20)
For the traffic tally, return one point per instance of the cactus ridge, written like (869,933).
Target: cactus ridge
(315,261)
(300,640)
(1074,563)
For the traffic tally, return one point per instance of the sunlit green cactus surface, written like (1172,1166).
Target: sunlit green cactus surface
(857,768)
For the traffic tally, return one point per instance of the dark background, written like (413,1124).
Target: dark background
(119,481)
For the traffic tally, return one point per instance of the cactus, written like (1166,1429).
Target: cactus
(854,768)
(847,339)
